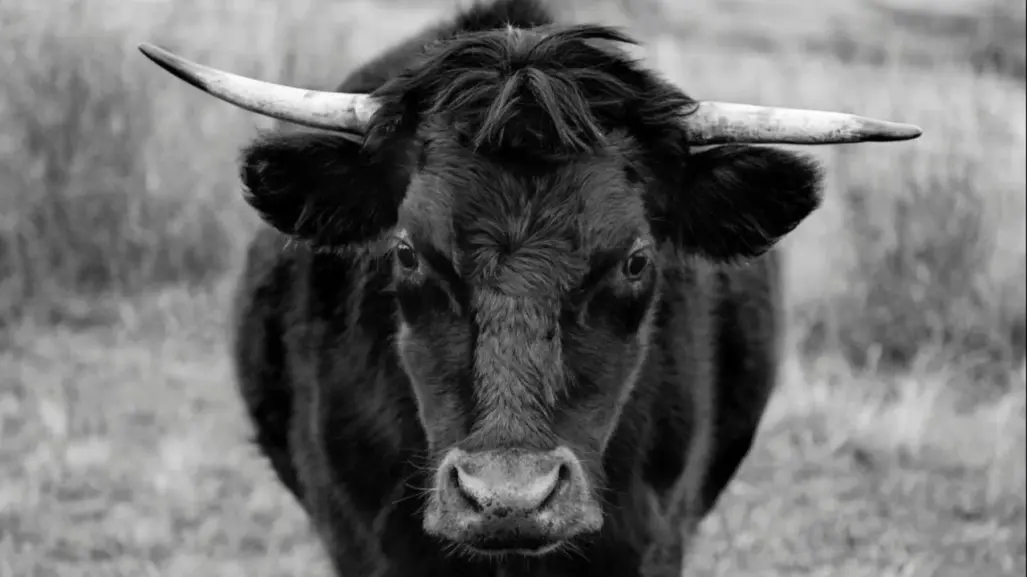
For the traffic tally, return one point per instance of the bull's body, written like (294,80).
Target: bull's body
(336,415)
(499,327)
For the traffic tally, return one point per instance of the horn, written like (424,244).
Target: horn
(335,111)
(725,122)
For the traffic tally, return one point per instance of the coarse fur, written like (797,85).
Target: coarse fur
(523,254)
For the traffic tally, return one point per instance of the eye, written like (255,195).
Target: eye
(406,257)
(636,265)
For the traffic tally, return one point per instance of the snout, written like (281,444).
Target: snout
(511,501)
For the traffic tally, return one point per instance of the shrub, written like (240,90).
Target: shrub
(922,284)
(81,213)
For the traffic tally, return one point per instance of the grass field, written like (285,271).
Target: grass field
(896,446)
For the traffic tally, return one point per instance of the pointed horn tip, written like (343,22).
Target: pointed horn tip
(179,67)
(153,52)
(898,131)
(158,55)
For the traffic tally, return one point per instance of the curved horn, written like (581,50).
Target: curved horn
(725,122)
(334,111)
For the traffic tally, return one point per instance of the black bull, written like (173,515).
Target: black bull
(515,336)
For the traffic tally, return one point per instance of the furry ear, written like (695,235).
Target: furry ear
(737,201)
(321,188)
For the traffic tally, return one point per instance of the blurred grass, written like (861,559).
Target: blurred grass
(116,179)
(986,36)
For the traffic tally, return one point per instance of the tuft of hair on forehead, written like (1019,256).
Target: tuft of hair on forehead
(542,92)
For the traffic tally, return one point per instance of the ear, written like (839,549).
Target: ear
(737,201)
(321,188)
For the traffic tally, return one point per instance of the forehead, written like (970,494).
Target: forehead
(507,221)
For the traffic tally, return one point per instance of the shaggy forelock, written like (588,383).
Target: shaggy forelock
(555,91)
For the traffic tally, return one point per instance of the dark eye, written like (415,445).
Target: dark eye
(406,257)
(636,265)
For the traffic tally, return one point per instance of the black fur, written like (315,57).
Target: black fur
(523,163)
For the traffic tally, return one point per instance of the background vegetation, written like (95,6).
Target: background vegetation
(121,223)
(116,180)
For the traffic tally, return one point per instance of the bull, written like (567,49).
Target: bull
(504,320)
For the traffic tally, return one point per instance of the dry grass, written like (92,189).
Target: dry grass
(121,443)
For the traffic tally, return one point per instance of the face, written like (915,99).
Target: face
(525,300)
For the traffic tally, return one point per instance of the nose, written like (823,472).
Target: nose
(512,500)
(516,483)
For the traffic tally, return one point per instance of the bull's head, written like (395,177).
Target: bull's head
(529,184)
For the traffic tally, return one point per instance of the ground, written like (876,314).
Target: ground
(124,453)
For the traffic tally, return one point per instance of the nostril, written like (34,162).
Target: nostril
(563,475)
(563,478)
(465,496)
